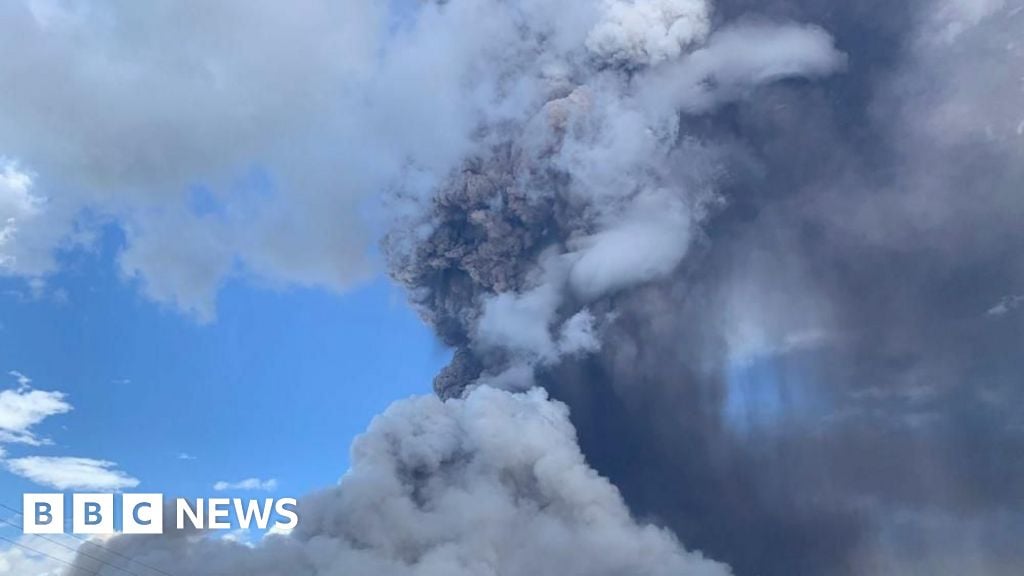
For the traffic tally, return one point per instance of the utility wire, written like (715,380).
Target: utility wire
(92,543)
(50,556)
(74,550)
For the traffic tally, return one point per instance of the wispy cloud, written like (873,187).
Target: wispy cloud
(23,408)
(247,484)
(1006,305)
(68,473)
(186,456)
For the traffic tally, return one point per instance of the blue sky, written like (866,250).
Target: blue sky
(275,388)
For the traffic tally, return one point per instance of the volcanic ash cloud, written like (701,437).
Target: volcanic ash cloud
(490,484)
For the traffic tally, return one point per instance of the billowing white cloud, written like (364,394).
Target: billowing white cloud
(105,109)
(740,57)
(520,323)
(69,473)
(268,485)
(647,243)
(643,32)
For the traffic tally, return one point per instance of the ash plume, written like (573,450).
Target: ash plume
(767,254)
(782,252)
(490,484)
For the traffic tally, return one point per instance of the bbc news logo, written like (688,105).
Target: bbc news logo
(94,514)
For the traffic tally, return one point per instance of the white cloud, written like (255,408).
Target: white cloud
(648,243)
(739,57)
(69,473)
(520,322)
(18,207)
(247,484)
(23,408)
(125,124)
(186,456)
(279,530)
(648,31)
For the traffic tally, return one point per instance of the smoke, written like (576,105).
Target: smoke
(596,192)
(797,270)
(766,254)
(490,484)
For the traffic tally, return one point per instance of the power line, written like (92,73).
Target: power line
(74,550)
(97,545)
(50,556)
(91,543)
